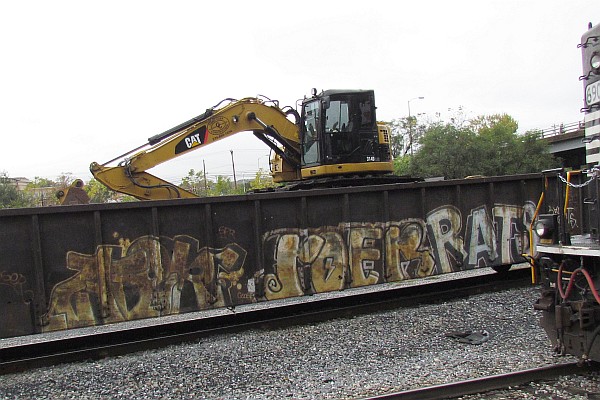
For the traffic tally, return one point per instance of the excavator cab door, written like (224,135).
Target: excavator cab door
(311,133)
(339,127)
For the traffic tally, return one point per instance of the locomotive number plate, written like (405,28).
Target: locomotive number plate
(592,93)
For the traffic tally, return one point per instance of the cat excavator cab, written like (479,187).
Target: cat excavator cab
(334,137)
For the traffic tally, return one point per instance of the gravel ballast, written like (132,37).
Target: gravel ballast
(344,358)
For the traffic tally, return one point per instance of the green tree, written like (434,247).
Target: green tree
(402,165)
(262,180)
(406,132)
(64,180)
(486,145)
(197,183)
(507,152)
(38,182)
(42,191)
(10,196)
(224,186)
(444,150)
(98,193)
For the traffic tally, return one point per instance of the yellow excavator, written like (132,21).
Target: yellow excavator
(334,140)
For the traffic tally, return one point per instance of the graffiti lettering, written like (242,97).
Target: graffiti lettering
(443,228)
(407,255)
(12,279)
(15,298)
(511,223)
(16,283)
(303,261)
(571,218)
(553,209)
(225,232)
(480,239)
(284,281)
(153,276)
(365,254)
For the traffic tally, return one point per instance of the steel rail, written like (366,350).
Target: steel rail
(123,341)
(489,383)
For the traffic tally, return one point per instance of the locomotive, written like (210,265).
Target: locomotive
(566,257)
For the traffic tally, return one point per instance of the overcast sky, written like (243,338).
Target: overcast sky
(84,81)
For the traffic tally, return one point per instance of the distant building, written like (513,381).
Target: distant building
(44,196)
(19,183)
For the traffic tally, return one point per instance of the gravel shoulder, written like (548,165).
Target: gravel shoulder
(343,358)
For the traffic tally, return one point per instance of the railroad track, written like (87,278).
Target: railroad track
(489,383)
(274,314)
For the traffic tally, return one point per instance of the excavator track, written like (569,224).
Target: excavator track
(342,182)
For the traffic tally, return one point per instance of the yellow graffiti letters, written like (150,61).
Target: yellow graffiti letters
(406,254)
(284,282)
(364,254)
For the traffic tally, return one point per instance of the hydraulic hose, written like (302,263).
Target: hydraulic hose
(564,295)
(169,187)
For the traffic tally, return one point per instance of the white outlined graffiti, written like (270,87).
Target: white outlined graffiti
(371,253)
(443,230)
(150,276)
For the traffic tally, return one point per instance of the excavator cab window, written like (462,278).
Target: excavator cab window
(338,130)
(337,117)
(310,140)
(339,127)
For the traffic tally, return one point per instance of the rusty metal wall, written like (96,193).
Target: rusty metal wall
(75,266)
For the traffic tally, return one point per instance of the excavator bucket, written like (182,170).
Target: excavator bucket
(73,195)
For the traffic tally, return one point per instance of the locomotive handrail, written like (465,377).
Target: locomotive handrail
(531,242)
(567,190)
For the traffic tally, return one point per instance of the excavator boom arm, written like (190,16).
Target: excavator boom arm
(268,122)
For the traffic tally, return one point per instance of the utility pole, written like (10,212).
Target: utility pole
(233,166)
(410,134)
(205,184)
